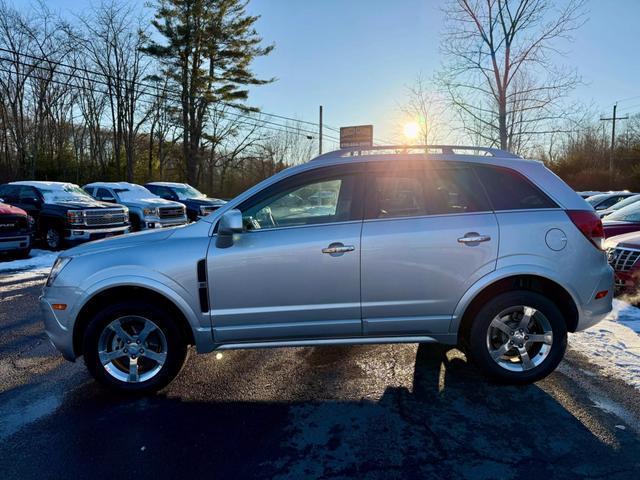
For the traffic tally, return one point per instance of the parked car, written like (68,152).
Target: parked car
(146,210)
(197,203)
(379,265)
(623,252)
(625,220)
(16,230)
(588,193)
(603,201)
(64,214)
(617,206)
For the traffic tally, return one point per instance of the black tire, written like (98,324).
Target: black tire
(53,237)
(176,352)
(22,254)
(477,343)
(135,223)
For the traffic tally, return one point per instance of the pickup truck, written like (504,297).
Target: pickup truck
(16,228)
(64,214)
(198,204)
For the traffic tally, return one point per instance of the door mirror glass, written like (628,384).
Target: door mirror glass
(230,223)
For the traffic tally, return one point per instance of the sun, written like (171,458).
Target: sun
(411,130)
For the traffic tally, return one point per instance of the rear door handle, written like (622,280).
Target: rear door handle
(338,249)
(473,238)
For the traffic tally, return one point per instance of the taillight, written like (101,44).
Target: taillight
(590,225)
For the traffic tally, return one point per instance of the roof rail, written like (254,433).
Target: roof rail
(428,149)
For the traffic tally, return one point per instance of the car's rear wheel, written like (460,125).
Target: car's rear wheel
(518,337)
(134,347)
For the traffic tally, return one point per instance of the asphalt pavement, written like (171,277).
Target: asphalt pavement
(388,411)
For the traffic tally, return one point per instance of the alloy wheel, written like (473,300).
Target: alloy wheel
(53,238)
(132,349)
(519,338)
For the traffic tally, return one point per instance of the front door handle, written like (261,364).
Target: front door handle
(473,238)
(338,249)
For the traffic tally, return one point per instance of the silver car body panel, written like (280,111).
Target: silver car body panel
(405,280)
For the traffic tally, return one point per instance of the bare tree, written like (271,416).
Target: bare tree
(501,76)
(113,39)
(427,108)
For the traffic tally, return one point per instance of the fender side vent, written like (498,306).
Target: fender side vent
(203,293)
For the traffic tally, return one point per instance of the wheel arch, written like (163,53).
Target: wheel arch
(123,293)
(563,299)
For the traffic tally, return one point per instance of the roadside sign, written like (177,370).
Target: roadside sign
(356,136)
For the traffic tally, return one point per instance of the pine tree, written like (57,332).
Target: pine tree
(206,52)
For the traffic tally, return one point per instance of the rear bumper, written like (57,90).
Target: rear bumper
(595,310)
(19,242)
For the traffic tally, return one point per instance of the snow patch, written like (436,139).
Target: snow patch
(614,344)
(38,261)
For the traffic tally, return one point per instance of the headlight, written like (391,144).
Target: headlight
(75,217)
(150,212)
(59,264)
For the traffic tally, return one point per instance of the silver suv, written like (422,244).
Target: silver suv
(146,210)
(466,246)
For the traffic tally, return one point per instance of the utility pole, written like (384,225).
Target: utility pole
(320,135)
(613,119)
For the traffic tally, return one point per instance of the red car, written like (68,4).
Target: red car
(16,229)
(622,221)
(623,252)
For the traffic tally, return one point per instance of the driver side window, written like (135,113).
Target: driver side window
(294,202)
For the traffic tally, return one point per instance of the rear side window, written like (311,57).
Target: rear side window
(455,190)
(412,192)
(508,190)
(399,195)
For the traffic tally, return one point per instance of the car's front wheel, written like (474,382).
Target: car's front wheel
(134,347)
(53,237)
(518,337)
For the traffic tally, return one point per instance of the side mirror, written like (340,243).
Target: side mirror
(33,201)
(230,223)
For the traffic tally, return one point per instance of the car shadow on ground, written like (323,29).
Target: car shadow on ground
(450,423)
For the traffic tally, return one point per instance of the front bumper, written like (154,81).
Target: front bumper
(154,223)
(83,234)
(55,327)
(18,242)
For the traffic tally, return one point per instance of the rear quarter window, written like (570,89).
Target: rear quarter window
(509,190)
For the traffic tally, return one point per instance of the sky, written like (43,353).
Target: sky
(357,57)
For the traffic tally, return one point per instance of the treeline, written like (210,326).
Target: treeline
(582,158)
(98,99)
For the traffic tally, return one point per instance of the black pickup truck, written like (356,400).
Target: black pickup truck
(197,203)
(16,228)
(65,214)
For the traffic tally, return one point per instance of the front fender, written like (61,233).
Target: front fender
(500,274)
(168,288)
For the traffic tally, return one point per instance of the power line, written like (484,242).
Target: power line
(135,82)
(289,129)
(163,89)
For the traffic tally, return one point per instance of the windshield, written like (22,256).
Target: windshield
(66,193)
(630,213)
(133,192)
(186,192)
(594,200)
(625,202)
